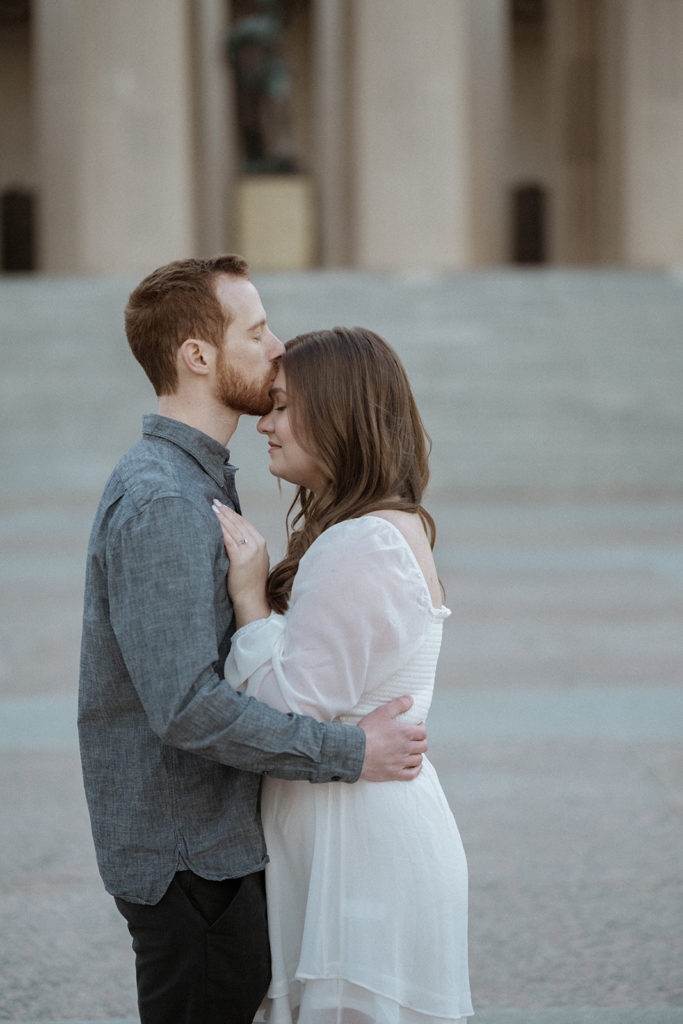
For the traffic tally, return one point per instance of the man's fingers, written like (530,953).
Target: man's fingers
(394,746)
(415,734)
(408,771)
(398,706)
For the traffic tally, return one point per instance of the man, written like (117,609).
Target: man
(172,756)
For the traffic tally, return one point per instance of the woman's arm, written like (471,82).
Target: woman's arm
(356,614)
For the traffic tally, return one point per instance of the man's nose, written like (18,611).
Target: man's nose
(276,348)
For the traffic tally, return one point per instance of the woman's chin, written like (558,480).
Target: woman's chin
(284,479)
(273,472)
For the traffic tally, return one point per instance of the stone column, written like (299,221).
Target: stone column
(411,184)
(114,123)
(611,119)
(574,92)
(215,167)
(332,142)
(652,132)
(489,90)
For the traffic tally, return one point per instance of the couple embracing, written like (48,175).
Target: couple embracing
(214,690)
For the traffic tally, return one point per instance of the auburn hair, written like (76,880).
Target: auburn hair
(352,408)
(176,302)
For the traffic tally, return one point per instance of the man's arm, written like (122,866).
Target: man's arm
(161,592)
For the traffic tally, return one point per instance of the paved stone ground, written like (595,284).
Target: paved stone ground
(554,401)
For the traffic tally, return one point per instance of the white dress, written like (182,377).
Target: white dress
(367,883)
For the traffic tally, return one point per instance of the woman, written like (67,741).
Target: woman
(367,884)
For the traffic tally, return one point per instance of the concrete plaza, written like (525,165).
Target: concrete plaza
(555,403)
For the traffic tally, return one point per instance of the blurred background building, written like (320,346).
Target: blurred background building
(378,134)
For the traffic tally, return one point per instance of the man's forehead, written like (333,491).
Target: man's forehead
(241,296)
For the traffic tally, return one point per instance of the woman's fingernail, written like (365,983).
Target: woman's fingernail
(217,502)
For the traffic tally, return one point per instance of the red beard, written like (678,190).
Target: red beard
(249,397)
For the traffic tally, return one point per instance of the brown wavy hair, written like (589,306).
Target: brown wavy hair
(352,408)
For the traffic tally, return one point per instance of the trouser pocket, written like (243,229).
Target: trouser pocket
(209,898)
(201,953)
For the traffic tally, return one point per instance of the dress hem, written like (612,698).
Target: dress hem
(439,1015)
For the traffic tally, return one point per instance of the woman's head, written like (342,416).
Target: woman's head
(350,407)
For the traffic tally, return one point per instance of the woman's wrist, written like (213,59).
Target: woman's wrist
(248,609)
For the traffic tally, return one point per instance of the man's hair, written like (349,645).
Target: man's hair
(351,407)
(176,302)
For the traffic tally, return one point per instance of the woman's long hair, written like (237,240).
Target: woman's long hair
(351,407)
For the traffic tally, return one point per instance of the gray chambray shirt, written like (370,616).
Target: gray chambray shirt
(172,756)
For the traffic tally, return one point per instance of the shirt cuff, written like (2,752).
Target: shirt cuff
(342,753)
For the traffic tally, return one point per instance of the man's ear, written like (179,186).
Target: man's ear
(196,355)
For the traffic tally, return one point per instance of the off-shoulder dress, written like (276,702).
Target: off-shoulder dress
(367,883)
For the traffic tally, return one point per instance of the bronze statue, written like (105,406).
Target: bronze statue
(262,90)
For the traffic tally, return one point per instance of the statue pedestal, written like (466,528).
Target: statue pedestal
(276,221)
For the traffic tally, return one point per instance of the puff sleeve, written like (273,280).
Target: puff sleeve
(359,608)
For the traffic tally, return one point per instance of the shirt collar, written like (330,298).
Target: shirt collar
(212,456)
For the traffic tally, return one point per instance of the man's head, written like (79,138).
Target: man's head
(176,302)
(204,317)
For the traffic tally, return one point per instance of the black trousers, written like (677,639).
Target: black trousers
(201,953)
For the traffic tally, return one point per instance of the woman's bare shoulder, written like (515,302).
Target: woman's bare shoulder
(410,525)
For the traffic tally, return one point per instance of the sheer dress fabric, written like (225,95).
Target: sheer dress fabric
(367,883)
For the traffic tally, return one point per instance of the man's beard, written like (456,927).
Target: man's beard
(249,397)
